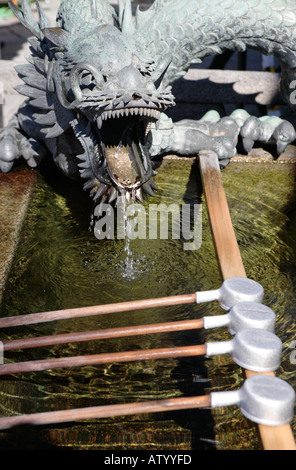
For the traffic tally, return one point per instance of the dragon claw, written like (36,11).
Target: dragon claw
(269,130)
(32,151)
(14,145)
(9,152)
(284,135)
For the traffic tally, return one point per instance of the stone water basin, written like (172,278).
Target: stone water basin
(58,263)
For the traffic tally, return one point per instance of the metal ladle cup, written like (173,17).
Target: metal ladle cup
(234,290)
(252,349)
(262,399)
(243,316)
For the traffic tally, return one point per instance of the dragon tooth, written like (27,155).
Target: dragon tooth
(153,185)
(86,174)
(101,191)
(127,195)
(113,195)
(139,195)
(147,188)
(99,122)
(81,157)
(83,165)
(88,185)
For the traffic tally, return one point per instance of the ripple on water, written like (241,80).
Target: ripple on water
(60,264)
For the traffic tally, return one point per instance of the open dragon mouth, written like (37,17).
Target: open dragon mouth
(116,159)
(123,139)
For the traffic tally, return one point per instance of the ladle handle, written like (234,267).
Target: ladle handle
(207,296)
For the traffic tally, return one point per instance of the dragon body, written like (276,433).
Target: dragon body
(98,83)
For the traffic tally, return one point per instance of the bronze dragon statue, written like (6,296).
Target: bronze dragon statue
(98,83)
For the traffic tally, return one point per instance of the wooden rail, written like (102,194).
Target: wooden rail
(231,265)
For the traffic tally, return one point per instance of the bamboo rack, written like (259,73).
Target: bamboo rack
(231,265)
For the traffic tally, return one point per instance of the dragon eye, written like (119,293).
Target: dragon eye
(76,78)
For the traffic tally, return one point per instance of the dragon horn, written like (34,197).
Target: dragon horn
(161,69)
(25,16)
(94,11)
(121,4)
(43,20)
(127,23)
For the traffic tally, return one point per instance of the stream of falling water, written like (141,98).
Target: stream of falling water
(128,201)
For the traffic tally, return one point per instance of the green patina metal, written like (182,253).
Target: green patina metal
(98,84)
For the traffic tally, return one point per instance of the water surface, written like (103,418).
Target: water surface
(60,264)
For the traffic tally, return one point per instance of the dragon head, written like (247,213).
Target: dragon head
(116,92)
